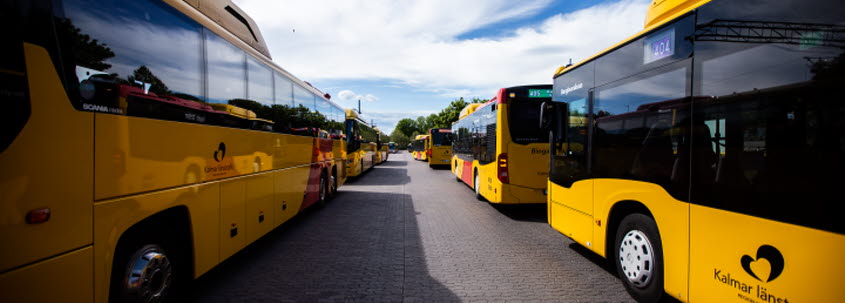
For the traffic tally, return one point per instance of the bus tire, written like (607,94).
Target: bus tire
(323,192)
(142,272)
(333,185)
(639,257)
(476,188)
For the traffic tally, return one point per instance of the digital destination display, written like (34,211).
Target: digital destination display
(659,46)
(539,93)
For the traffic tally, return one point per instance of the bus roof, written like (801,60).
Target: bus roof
(233,19)
(420,137)
(659,13)
(468,110)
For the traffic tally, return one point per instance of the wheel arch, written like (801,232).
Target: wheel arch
(617,212)
(173,225)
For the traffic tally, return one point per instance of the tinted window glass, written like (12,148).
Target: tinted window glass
(142,51)
(660,47)
(283,90)
(441,137)
(13,84)
(772,132)
(638,128)
(260,82)
(524,113)
(226,70)
(473,139)
(569,153)
(303,97)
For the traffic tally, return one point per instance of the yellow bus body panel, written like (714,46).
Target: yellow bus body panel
(289,185)
(43,282)
(571,211)
(136,155)
(582,212)
(49,165)
(354,165)
(528,166)
(440,155)
(114,217)
(725,243)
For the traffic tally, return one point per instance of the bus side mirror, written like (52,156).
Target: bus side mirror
(547,110)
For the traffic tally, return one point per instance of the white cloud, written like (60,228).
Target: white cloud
(415,42)
(348,96)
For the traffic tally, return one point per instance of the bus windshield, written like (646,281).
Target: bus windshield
(524,112)
(440,138)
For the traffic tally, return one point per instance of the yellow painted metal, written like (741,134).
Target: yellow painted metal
(260,209)
(661,11)
(469,109)
(49,165)
(232,217)
(566,209)
(43,282)
(721,239)
(113,217)
(582,213)
(138,155)
(289,186)
(440,155)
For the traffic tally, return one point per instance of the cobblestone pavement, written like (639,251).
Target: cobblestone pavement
(405,232)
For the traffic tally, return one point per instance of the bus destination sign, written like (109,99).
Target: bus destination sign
(539,93)
(659,46)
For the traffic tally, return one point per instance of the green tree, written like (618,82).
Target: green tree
(399,138)
(406,126)
(145,75)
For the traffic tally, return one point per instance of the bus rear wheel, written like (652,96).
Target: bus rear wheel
(639,257)
(146,275)
(475,186)
(323,192)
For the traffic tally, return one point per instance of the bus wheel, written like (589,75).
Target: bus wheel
(144,276)
(333,186)
(323,192)
(476,187)
(639,257)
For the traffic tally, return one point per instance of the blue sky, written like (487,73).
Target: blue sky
(407,58)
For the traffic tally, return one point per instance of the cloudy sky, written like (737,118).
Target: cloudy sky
(407,58)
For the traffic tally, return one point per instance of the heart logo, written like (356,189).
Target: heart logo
(768,265)
(220,152)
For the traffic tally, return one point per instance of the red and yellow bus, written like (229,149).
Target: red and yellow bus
(361,144)
(418,146)
(145,143)
(498,149)
(439,147)
(704,154)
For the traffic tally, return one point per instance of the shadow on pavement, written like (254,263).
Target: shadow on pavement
(523,212)
(363,246)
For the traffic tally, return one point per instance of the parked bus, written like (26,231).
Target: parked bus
(361,144)
(418,145)
(498,148)
(439,148)
(144,143)
(392,148)
(704,154)
(381,147)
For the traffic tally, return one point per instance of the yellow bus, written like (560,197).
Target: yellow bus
(498,149)
(361,144)
(144,143)
(439,147)
(703,155)
(381,147)
(418,146)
